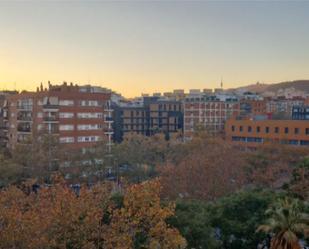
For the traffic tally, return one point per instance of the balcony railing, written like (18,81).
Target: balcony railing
(24,107)
(24,118)
(23,129)
(51,119)
(50,106)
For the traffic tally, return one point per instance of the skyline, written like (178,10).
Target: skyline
(146,47)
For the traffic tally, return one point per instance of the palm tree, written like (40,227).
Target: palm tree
(285,223)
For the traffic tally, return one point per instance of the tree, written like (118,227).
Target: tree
(193,220)
(38,157)
(272,165)
(237,216)
(10,172)
(210,169)
(299,183)
(140,223)
(140,154)
(286,222)
(56,217)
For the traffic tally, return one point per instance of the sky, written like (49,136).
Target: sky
(136,47)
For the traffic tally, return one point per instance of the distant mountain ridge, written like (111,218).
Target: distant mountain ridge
(299,85)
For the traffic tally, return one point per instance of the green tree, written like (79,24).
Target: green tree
(192,219)
(237,217)
(10,172)
(287,221)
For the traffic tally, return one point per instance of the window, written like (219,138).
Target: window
(294,142)
(276,129)
(240,128)
(258,129)
(66,127)
(89,127)
(40,115)
(286,130)
(90,115)
(89,103)
(86,139)
(66,115)
(307,131)
(249,129)
(233,128)
(304,142)
(296,130)
(66,140)
(66,102)
(266,129)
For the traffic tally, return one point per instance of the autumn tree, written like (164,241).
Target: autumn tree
(272,165)
(56,217)
(140,223)
(210,169)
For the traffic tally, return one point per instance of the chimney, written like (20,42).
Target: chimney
(41,87)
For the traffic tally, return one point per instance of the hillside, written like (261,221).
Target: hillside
(300,85)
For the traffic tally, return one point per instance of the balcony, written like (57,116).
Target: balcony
(24,118)
(51,106)
(51,119)
(24,107)
(109,120)
(24,129)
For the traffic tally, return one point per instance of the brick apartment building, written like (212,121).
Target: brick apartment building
(3,117)
(252,107)
(152,115)
(79,115)
(208,111)
(252,133)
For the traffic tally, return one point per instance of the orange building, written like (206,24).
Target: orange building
(251,133)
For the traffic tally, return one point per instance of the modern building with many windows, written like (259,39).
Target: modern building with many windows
(147,117)
(300,112)
(79,115)
(252,133)
(209,112)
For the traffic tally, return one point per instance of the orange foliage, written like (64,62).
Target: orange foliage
(142,221)
(57,218)
(210,169)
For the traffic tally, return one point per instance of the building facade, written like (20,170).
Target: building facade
(79,115)
(3,117)
(283,106)
(300,112)
(150,116)
(209,112)
(252,133)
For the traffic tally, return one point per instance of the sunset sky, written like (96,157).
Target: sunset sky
(135,47)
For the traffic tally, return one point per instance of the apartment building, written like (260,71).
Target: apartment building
(79,115)
(251,133)
(300,112)
(252,107)
(3,117)
(282,105)
(149,116)
(209,111)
